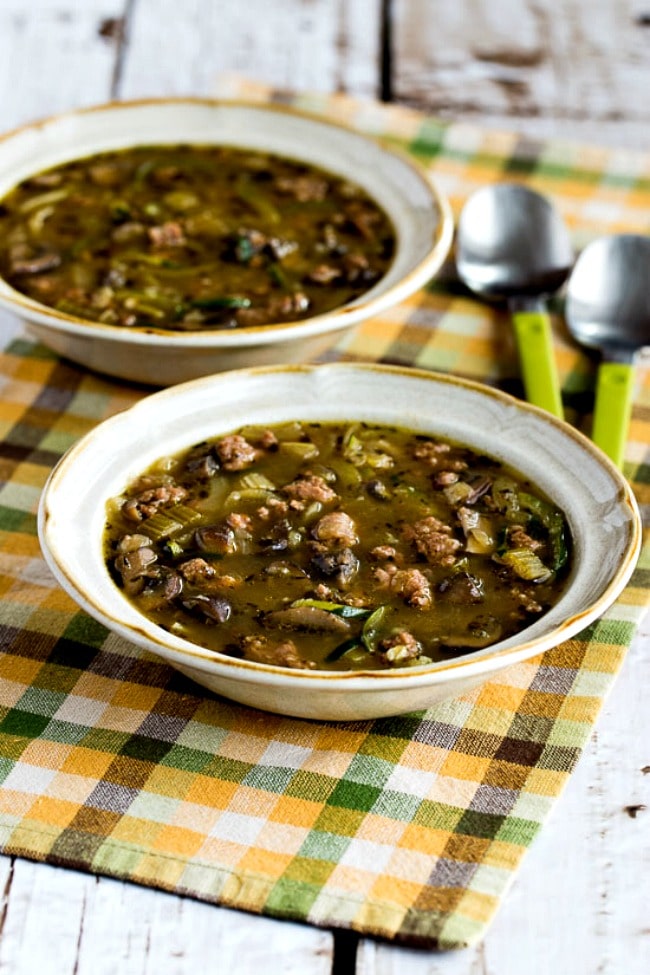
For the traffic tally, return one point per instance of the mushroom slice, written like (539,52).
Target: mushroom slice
(306,618)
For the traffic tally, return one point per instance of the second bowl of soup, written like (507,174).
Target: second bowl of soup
(157,241)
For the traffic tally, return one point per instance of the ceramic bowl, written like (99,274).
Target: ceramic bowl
(600,508)
(421,217)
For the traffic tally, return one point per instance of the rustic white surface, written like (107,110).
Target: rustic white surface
(568,68)
(579,904)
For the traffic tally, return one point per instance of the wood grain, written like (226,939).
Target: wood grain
(320,45)
(563,69)
(54,57)
(59,922)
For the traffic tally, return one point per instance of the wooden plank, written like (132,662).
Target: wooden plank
(54,56)
(59,921)
(164,933)
(42,920)
(319,45)
(564,68)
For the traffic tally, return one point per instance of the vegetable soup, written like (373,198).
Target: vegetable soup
(192,237)
(337,546)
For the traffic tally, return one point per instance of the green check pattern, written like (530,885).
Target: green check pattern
(408,829)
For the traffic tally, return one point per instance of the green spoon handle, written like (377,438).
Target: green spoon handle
(613,408)
(535,344)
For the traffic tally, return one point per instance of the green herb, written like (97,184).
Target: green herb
(371,628)
(554,524)
(342,649)
(336,609)
(221,301)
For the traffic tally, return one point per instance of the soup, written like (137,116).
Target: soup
(190,237)
(336,546)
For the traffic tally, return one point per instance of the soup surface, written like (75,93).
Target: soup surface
(336,546)
(192,237)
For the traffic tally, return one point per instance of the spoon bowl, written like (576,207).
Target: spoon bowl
(608,309)
(513,245)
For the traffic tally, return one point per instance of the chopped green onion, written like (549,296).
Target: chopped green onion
(379,461)
(172,548)
(280,277)
(143,170)
(181,200)
(244,250)
(398,654)
(352,448)
(553,522)
(70,308)
(144,307)
(479,531)
(38,218)
(456,494)
(352,644)
(337,609)
(371,628)
(43,199)
(221,301)
(256,200)
(505,497)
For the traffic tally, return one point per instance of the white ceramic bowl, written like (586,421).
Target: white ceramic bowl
(601,510)
(420,215)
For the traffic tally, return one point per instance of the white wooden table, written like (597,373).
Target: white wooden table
(553,67)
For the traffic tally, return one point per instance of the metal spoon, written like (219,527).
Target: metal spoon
(511,243)
(608,308)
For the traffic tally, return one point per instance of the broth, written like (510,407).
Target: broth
(337,546)
(190,237)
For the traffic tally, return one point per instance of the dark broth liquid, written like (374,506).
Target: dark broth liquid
(191,238)
(336,546)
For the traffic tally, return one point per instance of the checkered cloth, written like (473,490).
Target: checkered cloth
(408,828)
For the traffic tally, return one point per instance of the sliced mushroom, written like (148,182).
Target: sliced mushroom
(482,632)
(461,588)
(217,539)
(162,590)
(283,567)
(340,566)
(212,609)
(306,618)
(133,566)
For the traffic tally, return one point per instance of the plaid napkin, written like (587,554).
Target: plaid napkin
(408,828)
